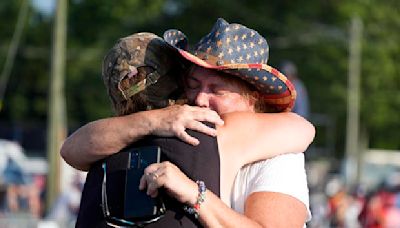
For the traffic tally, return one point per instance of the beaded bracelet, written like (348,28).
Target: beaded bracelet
(194,210)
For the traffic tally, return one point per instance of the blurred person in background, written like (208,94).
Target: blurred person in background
(37,192)
(66,207)
(22,195)
(14,181)
(337,201)
(373,213)
(344,206)
(259,169)
(14,178)
(301,105)
(382,208)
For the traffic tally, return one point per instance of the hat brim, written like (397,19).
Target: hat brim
(273,85)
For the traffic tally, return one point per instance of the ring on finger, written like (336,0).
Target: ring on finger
(154,174)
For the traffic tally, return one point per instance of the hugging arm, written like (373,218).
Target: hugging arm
(250,137)
(104,137)
(101,138)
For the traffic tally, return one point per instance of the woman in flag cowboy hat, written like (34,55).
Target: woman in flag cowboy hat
(219,83)
(229,73)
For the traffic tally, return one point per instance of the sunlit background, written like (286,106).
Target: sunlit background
(346,53)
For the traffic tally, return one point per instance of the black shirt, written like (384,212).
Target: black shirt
(197,162)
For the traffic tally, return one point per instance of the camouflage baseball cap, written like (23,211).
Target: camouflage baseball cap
(142,64)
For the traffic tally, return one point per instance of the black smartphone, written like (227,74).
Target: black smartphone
(137,204)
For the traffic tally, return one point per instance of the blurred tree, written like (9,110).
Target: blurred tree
(380,102)
(26,94)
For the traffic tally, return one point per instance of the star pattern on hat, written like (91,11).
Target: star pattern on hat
(242,52)
(235,44)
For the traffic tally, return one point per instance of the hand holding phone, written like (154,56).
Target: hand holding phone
(122,201)
(137,202)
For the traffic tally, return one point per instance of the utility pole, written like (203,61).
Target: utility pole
(56,131)
(353,152)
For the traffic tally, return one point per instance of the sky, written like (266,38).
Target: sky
(45,7)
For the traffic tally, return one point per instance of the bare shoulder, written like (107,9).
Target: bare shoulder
(240,118)
(237,126)
(272,209)
(257,136)
(264,123)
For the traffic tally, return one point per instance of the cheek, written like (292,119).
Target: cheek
(221,106)
(229,103)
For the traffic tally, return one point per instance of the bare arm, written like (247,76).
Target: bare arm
(104,137)
(278,198)
(213,212)
(280,190)
(261,207)
(250,137)
(272,209)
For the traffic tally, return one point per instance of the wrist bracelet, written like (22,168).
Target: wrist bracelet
(194,210)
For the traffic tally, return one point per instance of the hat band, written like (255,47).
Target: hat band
(150,79)
(280,101)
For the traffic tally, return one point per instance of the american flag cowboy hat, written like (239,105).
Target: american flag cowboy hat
(242,52)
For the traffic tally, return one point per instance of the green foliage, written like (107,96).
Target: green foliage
(94,26)
(380,70)
(311,33)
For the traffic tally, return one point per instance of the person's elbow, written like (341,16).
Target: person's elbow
(307,132)
(66,152)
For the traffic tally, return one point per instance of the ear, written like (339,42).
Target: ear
(254,96)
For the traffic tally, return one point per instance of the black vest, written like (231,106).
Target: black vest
(197,162)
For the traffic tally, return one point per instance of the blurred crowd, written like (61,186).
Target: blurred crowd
(19,191)
(339,206)
(22,198)
(23,193)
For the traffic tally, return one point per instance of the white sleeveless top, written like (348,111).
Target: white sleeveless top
(284,174)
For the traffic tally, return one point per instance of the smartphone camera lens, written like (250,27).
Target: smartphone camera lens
(134,160)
